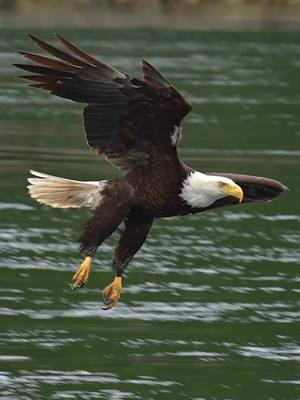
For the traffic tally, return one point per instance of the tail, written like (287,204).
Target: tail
(64,193)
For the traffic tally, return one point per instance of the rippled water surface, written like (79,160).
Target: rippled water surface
(210,306)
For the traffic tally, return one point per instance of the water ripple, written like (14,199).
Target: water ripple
(158,311)
(271,353)
(29,382)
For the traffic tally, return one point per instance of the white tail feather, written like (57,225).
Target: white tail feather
(64,193)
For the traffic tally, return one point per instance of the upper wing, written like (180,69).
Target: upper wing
(127,119)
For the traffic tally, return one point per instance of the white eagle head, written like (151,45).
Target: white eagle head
(200,190)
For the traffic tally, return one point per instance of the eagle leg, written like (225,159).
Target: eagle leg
(105,220)
(137,225)
(81,276)
(111,294)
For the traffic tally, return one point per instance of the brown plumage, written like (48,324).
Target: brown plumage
(135,124)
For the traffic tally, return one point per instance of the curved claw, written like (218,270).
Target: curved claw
(81,276)
(105,299)
(75,285)
(109,306)
(111,294)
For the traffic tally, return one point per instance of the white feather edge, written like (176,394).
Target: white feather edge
(60,192)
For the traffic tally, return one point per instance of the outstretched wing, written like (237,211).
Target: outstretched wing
(131,121)
(255,189)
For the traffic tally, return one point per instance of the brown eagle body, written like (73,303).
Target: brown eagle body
(136,125)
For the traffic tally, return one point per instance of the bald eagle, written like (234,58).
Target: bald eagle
(135,124)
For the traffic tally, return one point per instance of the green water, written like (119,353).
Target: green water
(210,306)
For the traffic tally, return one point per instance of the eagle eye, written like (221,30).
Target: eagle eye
(222,184)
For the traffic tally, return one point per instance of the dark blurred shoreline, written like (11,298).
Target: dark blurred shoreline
(230,15)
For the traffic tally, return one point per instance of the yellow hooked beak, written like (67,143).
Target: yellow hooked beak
(234,190)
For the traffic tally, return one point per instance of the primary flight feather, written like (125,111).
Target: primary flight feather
(135,124)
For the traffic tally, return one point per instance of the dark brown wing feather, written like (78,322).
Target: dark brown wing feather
(127,119)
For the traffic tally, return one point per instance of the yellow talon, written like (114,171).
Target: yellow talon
(81,276)
(111,294)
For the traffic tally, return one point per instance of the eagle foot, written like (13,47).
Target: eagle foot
(111,294)
(81,276)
